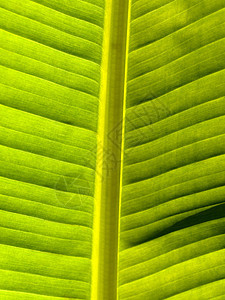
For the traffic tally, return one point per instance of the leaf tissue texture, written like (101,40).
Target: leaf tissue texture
(50,61)
(85,211)
(172,222)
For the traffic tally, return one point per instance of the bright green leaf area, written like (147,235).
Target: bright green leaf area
(112,149)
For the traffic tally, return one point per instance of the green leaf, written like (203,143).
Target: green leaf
(112,142)
(172,209)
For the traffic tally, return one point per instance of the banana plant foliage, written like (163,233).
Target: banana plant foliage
(112,149)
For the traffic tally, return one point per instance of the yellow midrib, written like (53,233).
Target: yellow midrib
(108,168)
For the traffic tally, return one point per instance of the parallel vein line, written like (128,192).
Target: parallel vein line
(63,51)
(139,47)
